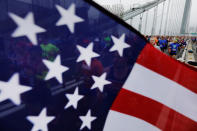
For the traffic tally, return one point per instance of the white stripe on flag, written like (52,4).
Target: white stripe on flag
(120,122)
(161,89)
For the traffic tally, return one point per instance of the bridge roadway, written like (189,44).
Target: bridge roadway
(195,51)
(189,54)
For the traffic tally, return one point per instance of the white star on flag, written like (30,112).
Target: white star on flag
(55,69)
(100,82)
(73,99)
(86,54)
(26,27)
(119,44)
(41,121)
(68,17)
(86,120)
(12,90)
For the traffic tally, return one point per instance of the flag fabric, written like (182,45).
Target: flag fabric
(159,94)
(58,72)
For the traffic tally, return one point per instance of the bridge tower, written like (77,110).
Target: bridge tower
(186,17)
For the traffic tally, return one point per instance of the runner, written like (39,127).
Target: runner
(162,44)
(165,43)
(154,43)
(193,39)
(173,48)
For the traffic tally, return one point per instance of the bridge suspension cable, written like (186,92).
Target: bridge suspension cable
(154,20)
(162,17)
(136,11)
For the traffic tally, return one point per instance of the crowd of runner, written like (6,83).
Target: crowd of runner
(171,45)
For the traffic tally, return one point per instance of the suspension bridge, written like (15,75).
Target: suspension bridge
(156,17)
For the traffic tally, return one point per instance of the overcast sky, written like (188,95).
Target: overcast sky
(193,16)
(126,3)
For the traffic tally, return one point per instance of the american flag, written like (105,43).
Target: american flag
(70,65)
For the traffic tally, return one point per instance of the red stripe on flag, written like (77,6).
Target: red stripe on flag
(172,69)
(159,115)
